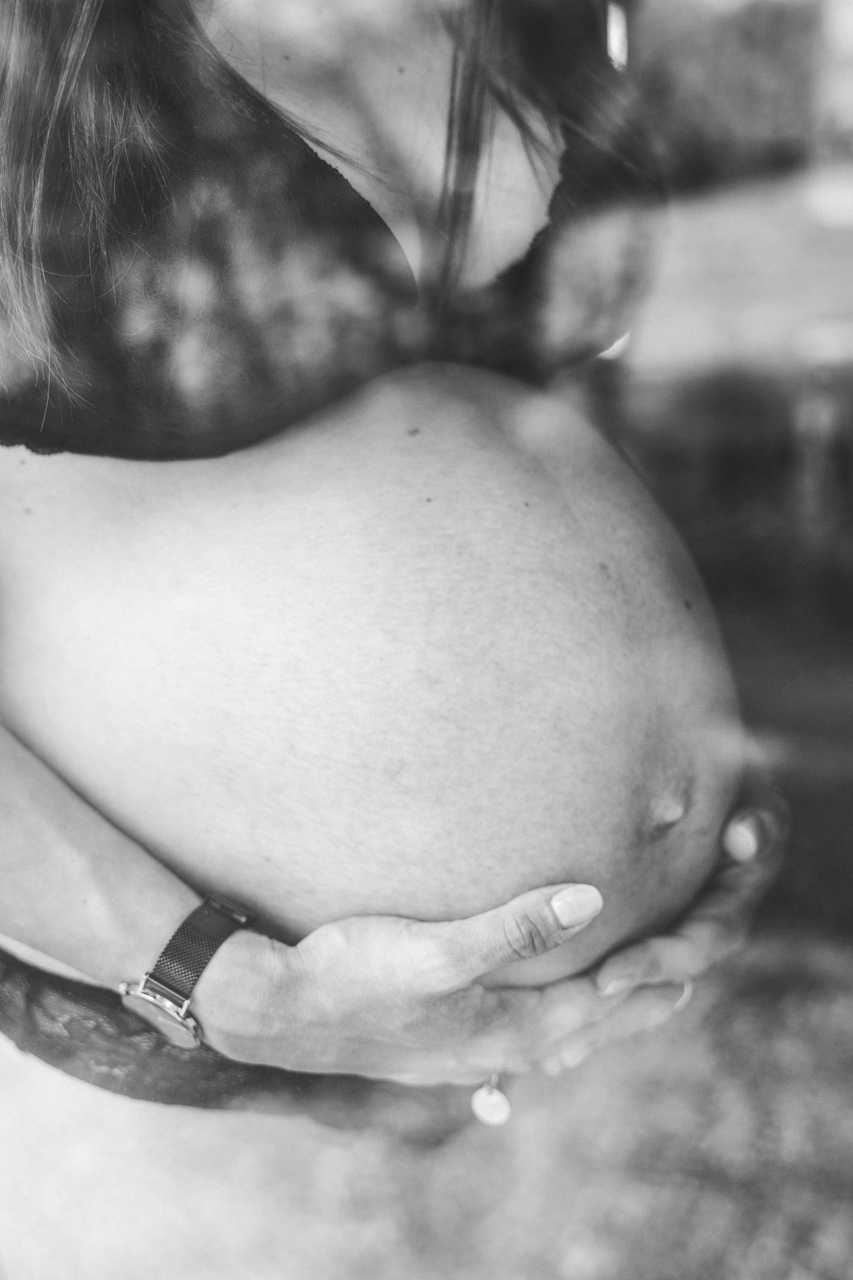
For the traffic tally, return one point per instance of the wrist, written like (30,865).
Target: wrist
(246,998)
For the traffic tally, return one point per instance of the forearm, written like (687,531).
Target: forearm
(384,998)
(74,886)
(80,891)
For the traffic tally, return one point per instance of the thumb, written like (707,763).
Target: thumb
(529,925)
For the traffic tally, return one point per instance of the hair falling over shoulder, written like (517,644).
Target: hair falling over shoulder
(110,110)
(105,105)
(79,80)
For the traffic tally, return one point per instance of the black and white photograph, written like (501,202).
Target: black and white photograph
(426,639)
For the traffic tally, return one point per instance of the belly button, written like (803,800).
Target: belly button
(667,811)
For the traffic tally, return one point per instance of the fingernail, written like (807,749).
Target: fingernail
(577,904)
(685,997)
(617,985)
(741,839)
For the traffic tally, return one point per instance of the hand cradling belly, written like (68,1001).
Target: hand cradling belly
(366,670)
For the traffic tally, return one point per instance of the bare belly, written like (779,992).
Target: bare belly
(387,664)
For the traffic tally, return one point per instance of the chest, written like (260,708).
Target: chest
(381,95)
(272,283)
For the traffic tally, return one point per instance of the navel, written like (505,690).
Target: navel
(669,811)
(669,808)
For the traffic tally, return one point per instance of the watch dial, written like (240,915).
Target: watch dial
(170,1025)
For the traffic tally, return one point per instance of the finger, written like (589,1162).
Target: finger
(731,896)
(754,839)
(760,823)
(571,1007)
(715,926)
(664,959)
(742,836)
(516,1026)
(756,834)
(644,1010)
(529,925)
(567,1058)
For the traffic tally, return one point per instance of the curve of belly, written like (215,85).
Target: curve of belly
(402,683)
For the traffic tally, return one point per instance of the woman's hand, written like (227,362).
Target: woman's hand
(396,999)
(753,842)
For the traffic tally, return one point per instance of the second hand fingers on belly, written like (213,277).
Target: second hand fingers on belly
(519,1046)
(662,959)
(643,1011)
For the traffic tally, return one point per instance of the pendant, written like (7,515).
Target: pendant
(490,1104)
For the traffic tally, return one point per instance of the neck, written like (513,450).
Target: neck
(374,82)
(376,93)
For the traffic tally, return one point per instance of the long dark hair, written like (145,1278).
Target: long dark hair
(77,126)
(97,121)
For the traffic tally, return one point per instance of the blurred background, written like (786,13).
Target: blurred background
(721,1147)
(735,395)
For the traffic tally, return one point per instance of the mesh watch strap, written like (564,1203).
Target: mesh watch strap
(193,945)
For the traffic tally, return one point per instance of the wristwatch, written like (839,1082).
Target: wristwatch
(163,995)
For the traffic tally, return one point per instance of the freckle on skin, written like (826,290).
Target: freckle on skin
(413,431)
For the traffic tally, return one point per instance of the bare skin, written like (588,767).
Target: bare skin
(379,995)
(374,80)
(395,633)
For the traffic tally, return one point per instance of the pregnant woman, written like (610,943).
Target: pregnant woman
(306,605)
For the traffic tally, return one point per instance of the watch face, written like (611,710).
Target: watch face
(179,1030)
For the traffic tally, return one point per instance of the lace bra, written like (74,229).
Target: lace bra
(269,288)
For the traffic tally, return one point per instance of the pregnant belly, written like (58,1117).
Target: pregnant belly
(371,671)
